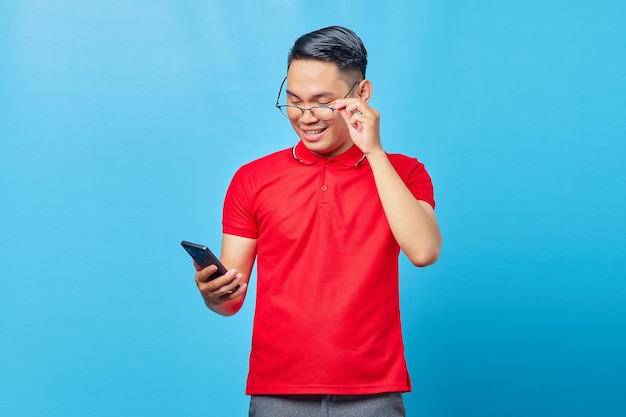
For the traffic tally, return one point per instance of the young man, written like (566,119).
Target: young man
(325,221)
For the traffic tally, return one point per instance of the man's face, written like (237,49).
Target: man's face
(317,83)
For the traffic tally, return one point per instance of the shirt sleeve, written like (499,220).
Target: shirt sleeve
(238,213)
(416,178)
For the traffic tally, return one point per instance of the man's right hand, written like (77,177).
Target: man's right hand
(219,290)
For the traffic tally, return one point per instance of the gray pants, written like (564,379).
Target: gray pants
(377,405)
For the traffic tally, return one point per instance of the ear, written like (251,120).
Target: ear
(364,90)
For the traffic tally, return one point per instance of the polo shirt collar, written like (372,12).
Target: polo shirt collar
(350,158)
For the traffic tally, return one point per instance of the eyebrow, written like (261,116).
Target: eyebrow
(314,97)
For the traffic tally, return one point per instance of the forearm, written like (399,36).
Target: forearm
(412,222)
(225,295)
(238,253)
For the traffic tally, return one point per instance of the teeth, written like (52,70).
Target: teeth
(314,132)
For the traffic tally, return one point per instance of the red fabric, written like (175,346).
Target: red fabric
(327,318)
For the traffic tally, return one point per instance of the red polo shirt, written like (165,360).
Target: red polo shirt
(327,318)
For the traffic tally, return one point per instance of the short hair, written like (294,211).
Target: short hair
(335,44)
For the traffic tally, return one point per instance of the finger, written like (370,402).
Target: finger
(229,287)
(348,118)
(203,275)
(358,120)
(240,290)
(235,287)
(345,115)
(212,288)
(230,279)
(348,105)
(339,104)
(356,106)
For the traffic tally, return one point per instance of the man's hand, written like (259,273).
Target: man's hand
(219,290)
(363,123)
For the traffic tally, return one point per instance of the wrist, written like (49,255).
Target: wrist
(376,154)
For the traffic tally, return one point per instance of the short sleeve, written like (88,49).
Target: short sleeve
(415,176)
(238,213)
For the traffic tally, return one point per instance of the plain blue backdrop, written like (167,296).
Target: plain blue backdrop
(122,122)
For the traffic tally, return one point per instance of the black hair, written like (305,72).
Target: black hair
(335,44)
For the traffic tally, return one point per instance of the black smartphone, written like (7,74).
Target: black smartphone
(204,257)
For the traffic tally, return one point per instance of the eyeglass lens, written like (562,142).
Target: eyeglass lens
(320,112)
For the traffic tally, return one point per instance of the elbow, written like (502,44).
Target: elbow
(425,256)
(227,309)
(424,260)
(226,312)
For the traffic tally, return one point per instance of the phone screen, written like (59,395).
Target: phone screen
(204,257)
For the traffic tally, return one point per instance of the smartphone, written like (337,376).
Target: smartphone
(204,257)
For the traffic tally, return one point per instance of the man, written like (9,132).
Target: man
(325,221)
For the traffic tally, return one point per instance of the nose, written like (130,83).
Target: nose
(308,116)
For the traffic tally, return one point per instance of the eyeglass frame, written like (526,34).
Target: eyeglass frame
(280,106)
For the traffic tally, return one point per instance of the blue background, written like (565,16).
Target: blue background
(122,122)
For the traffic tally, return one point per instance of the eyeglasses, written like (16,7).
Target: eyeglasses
(319,112)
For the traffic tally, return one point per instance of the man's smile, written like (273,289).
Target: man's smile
(313,134)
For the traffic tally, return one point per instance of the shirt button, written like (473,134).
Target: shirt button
(324,188)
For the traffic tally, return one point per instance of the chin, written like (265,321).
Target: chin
(318,147)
